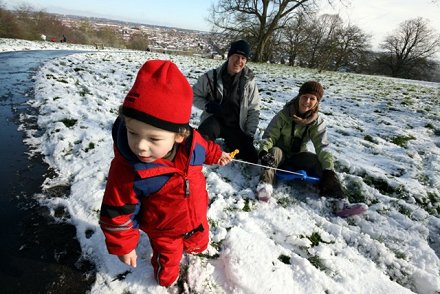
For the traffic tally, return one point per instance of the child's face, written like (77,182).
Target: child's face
(149,143)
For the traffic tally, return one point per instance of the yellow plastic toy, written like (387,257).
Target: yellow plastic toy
(233,153)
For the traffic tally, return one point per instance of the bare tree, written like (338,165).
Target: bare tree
(352,46)
(324,41)
(9,27)
(255,20)
(48,24)
(295,38)
(110,37)
(24,14)
(409,48)
(138,41)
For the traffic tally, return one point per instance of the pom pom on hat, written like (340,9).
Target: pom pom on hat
(161,96)
(312,87)
(240,47)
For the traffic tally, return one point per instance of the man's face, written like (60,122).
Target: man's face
(236,63)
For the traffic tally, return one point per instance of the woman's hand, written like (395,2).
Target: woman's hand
(267,159)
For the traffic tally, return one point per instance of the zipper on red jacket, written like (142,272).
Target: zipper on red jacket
(187,191)
(191,212)
(159,268)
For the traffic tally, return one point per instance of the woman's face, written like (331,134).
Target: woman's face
(149,143)
(307,102)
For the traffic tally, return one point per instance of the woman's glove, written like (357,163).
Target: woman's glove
(267,158)
(330,184)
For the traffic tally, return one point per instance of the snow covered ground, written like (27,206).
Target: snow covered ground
(386,139)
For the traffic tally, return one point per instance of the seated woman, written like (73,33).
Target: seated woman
(284,144)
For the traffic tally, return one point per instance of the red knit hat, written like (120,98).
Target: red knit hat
(161,96)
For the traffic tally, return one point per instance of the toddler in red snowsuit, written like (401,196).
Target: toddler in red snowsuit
(155,183)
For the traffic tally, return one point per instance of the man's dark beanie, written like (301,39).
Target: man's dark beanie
(240,47)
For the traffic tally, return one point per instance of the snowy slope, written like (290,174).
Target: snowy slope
(386,138)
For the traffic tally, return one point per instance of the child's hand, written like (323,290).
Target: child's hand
(129,258)
(224,159)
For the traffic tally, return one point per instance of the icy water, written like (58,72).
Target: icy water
(37,254)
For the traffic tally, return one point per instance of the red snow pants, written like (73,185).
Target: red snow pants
(168,251)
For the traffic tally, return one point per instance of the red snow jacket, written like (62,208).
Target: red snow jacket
(162,198)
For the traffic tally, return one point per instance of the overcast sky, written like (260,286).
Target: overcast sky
(375,17)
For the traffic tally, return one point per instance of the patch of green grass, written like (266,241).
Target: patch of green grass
(212,223)
(247,206)
(285,201)
(69,122)
(67,151)
(90,147)
(284,259)
(399,254)
(62,81)
(315,239)
(433,197)
(407,102)
(122,276)
(431,203)
(216,245)
(359,129)
(207,256)
(227,180)
(369,139)
(317,262)
(381,185)
(430,126)
(405,211)
(384,211)
(354,192)
(424,179)
(84,91)
(402,140)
